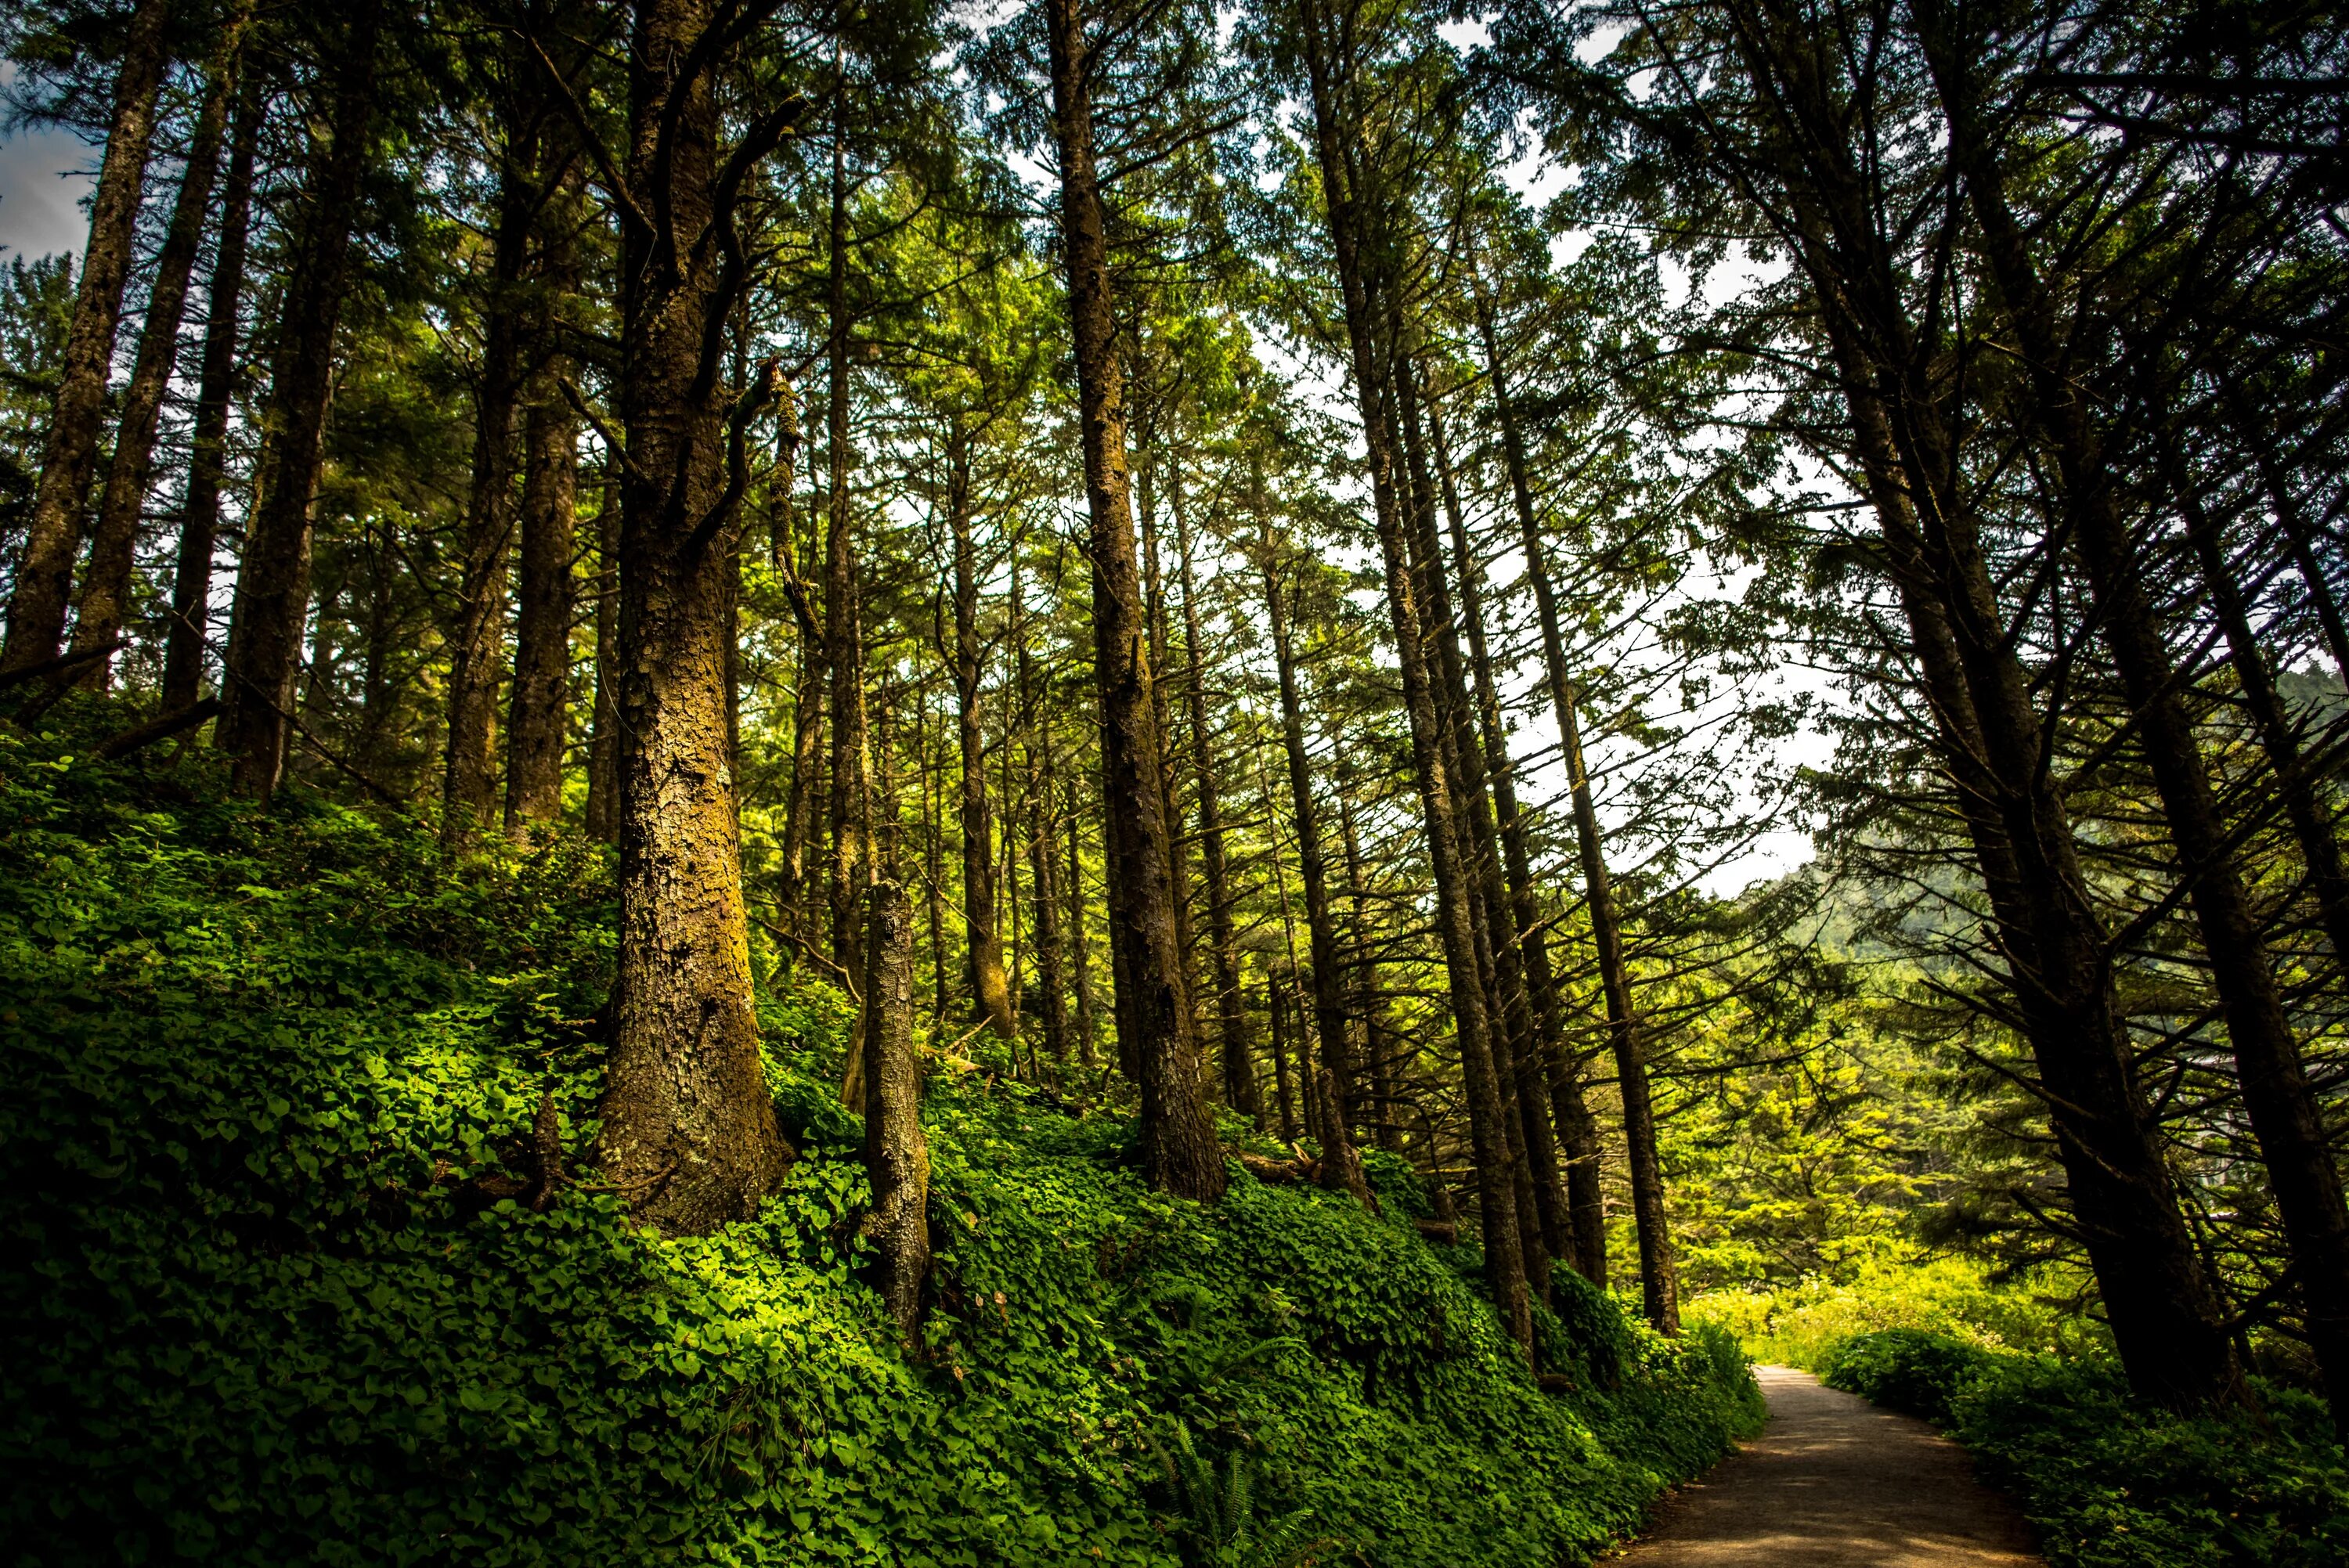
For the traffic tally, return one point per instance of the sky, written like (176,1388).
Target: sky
(40,212)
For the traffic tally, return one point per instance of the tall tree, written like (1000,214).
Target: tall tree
(1178,1141)
(272,585)
(36,608)
(689,1130)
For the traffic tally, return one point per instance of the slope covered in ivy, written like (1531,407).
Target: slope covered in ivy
(264,1302)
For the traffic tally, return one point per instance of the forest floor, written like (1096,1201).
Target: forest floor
(1835,1482)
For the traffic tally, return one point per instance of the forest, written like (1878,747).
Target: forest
(1175,783)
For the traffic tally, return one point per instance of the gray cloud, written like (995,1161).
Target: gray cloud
(40,211)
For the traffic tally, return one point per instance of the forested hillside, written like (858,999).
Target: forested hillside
(1126,780)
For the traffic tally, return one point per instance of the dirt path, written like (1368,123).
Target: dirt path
(1835,1482)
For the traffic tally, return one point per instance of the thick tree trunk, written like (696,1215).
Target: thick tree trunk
(114,543)
(1455,918)
(1179,1148)
(689,1130)
(896,1151)
(273,585)
(37,607)
(2282,1106)
(192,584)
(983,947)
(1240,1090)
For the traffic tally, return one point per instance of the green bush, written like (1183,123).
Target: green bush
(1907,1369)
(2113,1483)
(262,1305)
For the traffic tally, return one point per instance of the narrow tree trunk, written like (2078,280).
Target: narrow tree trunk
(1043,875)
(851,820)
(806,787)
(689,1135)
(1455,918)
(1341,1165)
(604,742)
(1544,1041)
(1659,1288)
(983,946)
(114,543)
(1080,952)
(538,724)
(1240,1091)
(896,1151)
(192,584)
(37,607)
(477,633)
(1179,1147)
(1284,1088)
(273,585)
(1367,1002)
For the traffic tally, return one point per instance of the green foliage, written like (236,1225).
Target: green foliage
(264,1303)
(1803,1324)
(2110,1481)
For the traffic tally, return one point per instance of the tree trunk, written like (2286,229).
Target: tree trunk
(37,607)
(1341,1165)
(2283,1109)
(538,724)
(896,1152)
(273,585)
(1505,1260)
(1240,1090)
(688,1131)
(1179,1148)
(477,632)
(1079,953)
(114,543)
(1367,1002)
(191,586)
(983,949)
(852,803)
(603,743)
(1043,875)
(1546,1038)
(1577,1129)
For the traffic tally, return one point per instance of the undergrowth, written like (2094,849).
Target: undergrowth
(261,1306)
(2108,1481)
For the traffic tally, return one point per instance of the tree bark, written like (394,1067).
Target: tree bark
(36,606)
(983,947)
(1240,1090)
(689,1130)
(273,585)
(1179,1148)
(114,543)
(1080,951)
(852,801)
(1341,1164)
(1504,1261)
(2282,1106)
(1544,1041)
(477,630)
(192,584)
(896,1151)
(604,741)
(538,724)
